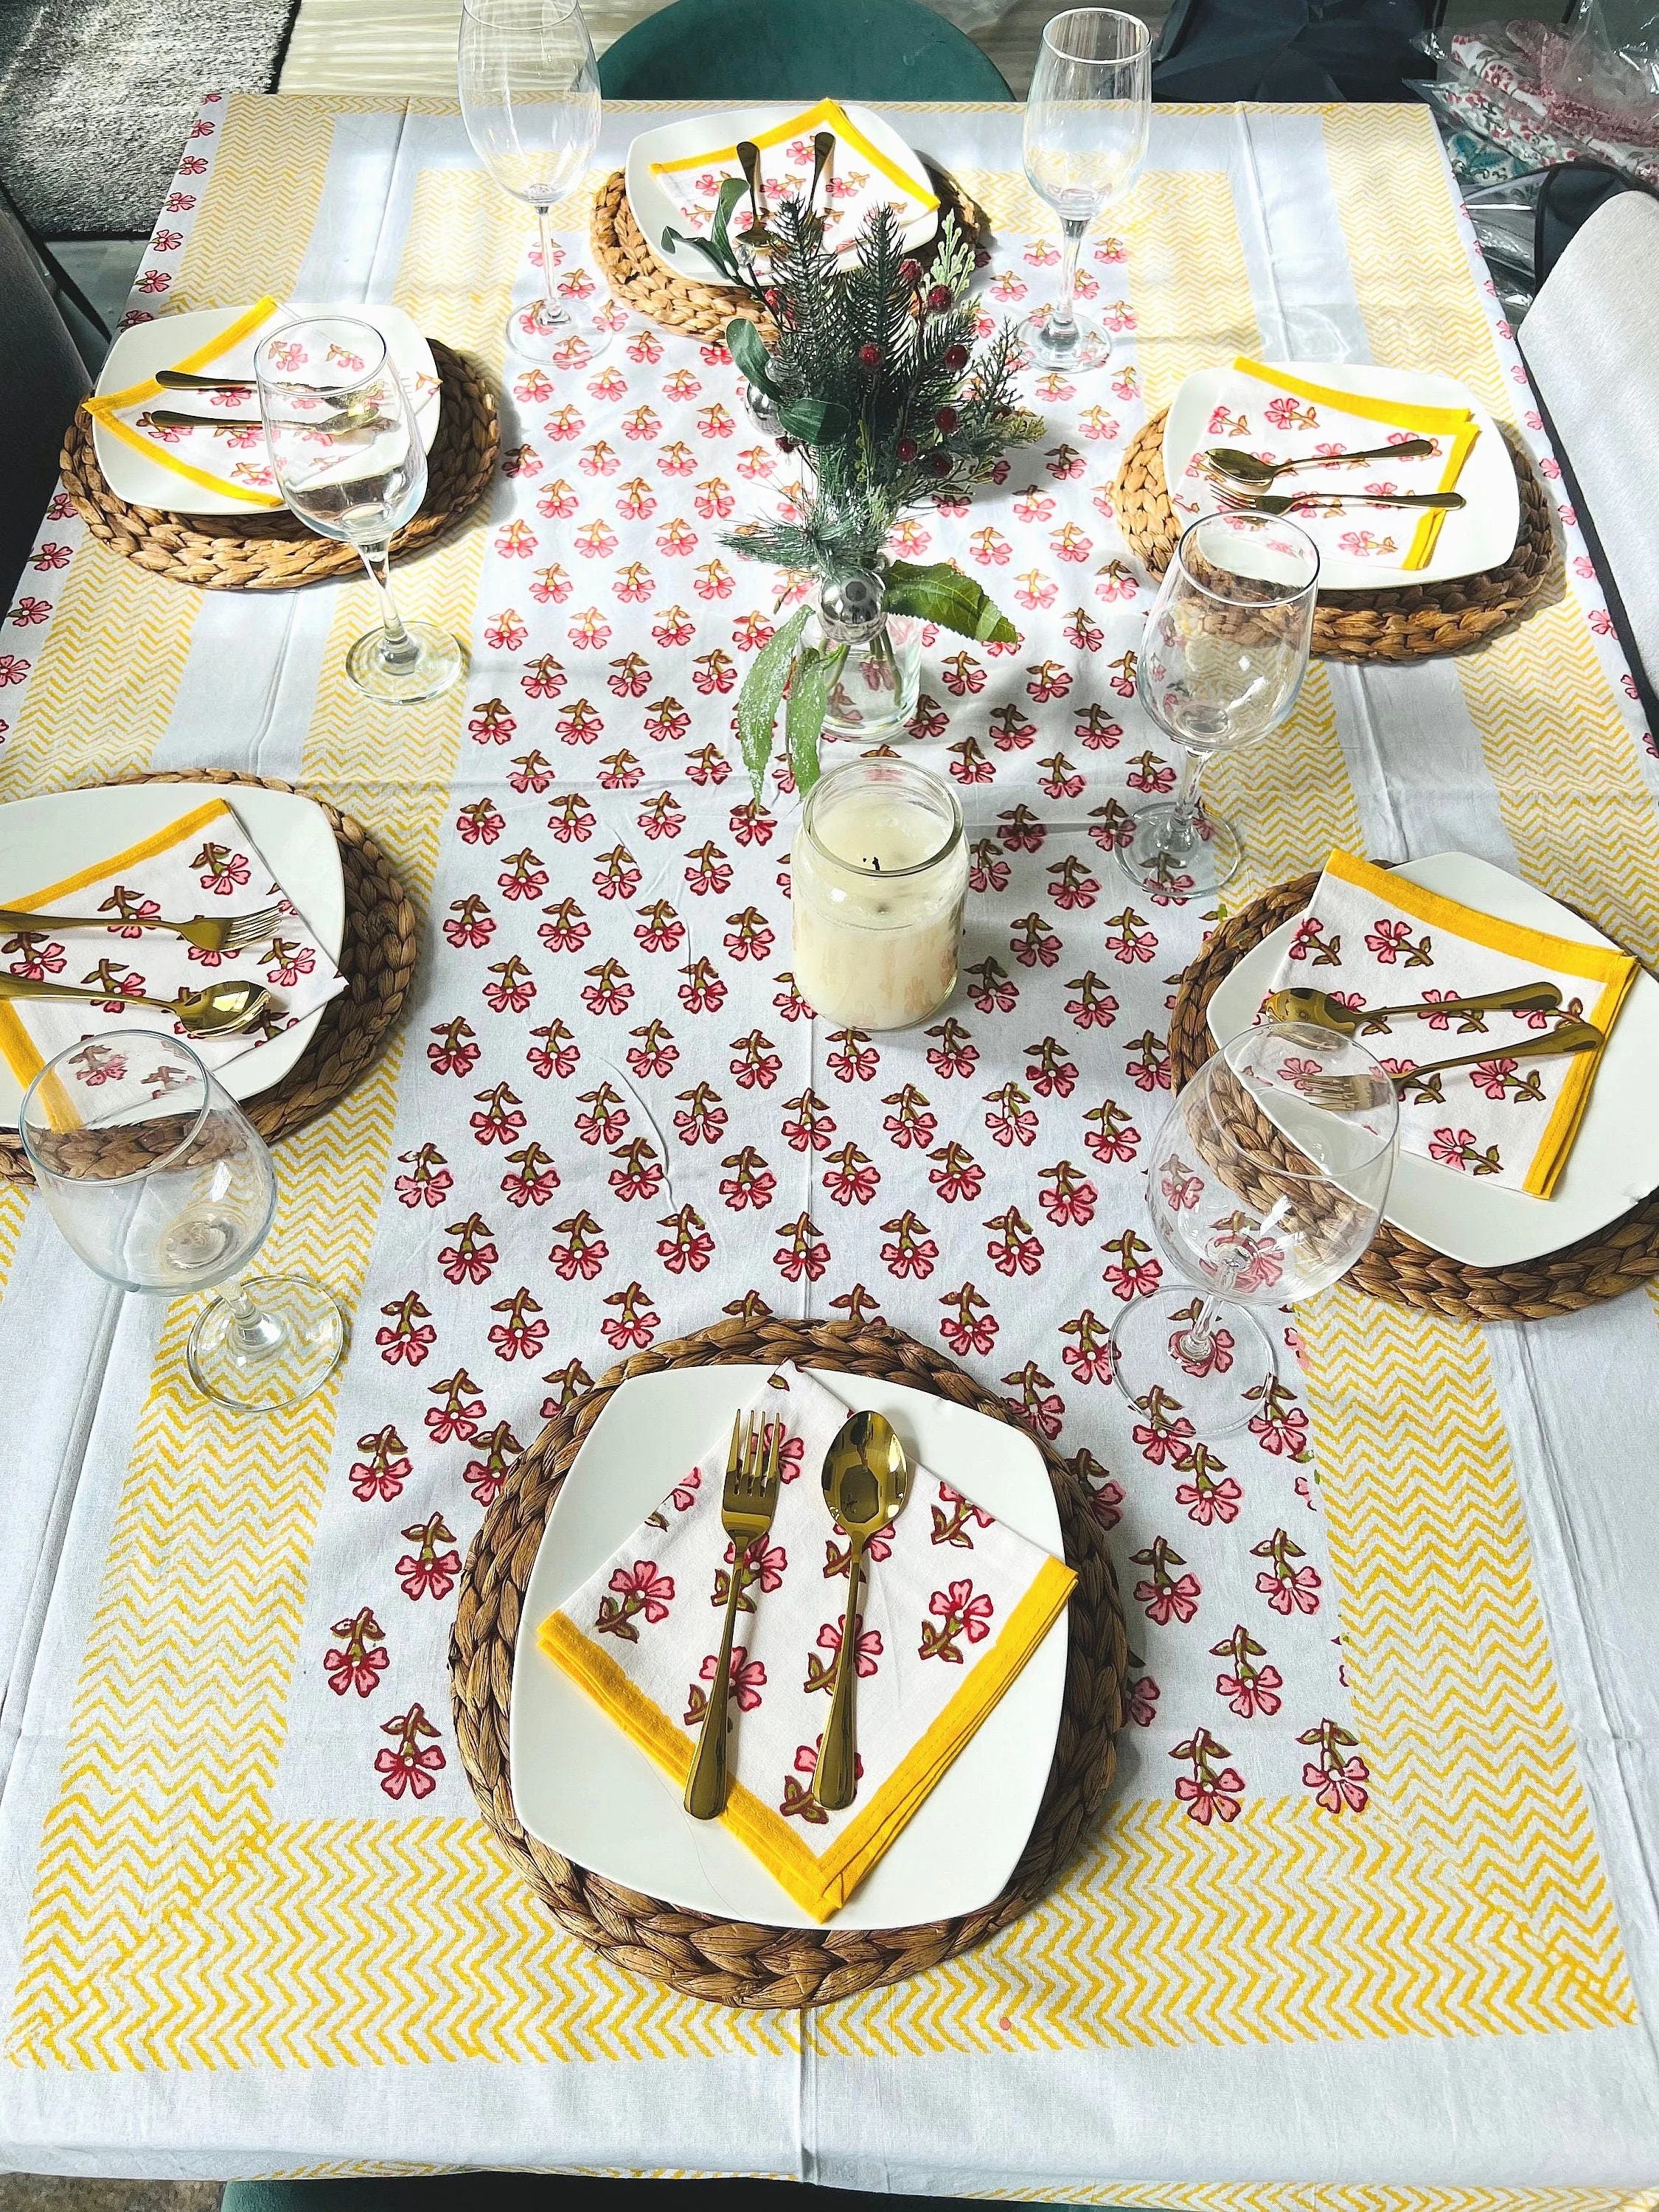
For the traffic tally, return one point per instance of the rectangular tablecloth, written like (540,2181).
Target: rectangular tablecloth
(1393,1941)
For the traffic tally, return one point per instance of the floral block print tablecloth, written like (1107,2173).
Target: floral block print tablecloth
(1368,1917)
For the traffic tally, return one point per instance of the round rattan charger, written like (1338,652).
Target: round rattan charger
(734,1962)
(702,311)
(272,550)
(377,959)
(1606,1265)
(1410,624)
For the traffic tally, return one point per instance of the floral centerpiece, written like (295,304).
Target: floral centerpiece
(874,379)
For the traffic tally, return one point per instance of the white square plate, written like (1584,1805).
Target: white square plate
(1615,1160)
(43,840)
(654,211)
(138,353)
(1471,540)
(579,1783)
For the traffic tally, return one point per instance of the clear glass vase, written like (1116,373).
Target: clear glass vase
(877,660)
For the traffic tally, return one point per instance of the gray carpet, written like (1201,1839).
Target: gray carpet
(96,97)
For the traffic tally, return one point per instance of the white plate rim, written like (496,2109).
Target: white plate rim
(907,1886)
(321,899)
(1488,527)
(1469,1221)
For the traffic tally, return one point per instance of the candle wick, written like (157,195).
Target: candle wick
(875,863)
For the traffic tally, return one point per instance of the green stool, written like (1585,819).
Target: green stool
(745,50)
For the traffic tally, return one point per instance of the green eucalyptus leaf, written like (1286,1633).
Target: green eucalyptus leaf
(814,421)
(748,348)
(942,595)
(809,702)
(730,192)
(761,694)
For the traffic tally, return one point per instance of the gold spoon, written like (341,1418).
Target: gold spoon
(1326,1012)
(749,161)
(1244,468)
(866,1480)
(220,1011)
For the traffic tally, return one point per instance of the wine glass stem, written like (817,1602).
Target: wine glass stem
(255,1331)
(1063,319)
(396,643)
(1196,1340)
(548,310)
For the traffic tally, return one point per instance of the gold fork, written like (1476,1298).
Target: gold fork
(1286,502)
(1341,1093)
(747,1505)
(208,933)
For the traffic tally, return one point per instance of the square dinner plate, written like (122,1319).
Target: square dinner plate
(139,352)
(581,1786)
(1471,540)
(654,211)
(1615,1160)
(43,840)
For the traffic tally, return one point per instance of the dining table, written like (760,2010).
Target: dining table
(1368,1920)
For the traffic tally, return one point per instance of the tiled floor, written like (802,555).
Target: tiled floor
(43,2192)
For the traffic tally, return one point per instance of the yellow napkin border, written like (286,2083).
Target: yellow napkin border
(105,409)
(1613,971)
(17,1047)
(821,1885)
(828,114)
(1456,423)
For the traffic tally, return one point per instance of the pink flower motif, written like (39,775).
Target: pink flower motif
(1173,1601)
(1220,1502)
(1250,1695)
(642,1581)
(1295,1591)
(1384,938)
(747,1676)
(1220,1799)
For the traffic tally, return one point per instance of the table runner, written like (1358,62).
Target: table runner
(1370,1916)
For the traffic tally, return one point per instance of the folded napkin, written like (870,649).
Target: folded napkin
(203,863)
(954,1606)
(1279,417)
(1373,939)
(858,177)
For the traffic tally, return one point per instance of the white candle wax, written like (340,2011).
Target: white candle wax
(878,880)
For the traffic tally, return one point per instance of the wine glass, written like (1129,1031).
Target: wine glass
(349,463)
(1086,124)
(161,1184)
(1222,661)
(1265,1184)
(530,93)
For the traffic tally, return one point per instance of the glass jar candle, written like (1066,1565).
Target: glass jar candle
(878,880)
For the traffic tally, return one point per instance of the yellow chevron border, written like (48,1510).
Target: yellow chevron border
(14,1211)
(173,1922)
(1325,2196)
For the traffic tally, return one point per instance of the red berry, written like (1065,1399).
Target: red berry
(956,356)
(906,450)
(909,270)
(940,465)
(787,445)
(870,356)
(947,419)
(940,296)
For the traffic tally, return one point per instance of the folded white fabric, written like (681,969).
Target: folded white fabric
(955,1603)
(203,863)
(1372,938)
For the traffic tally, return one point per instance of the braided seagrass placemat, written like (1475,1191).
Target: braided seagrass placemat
(1409,624)
(377,959)
(702,311)
(272,550)
(1396,1267)
(737,1962)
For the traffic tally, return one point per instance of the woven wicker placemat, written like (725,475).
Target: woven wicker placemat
(1616,1259)
(272,550)
(1409,624)
(377,959)
(737,1962)
(638,279)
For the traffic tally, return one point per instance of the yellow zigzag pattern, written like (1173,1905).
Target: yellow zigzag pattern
(1291,794)
(14,1211)
(1188,284)
(1329,2197)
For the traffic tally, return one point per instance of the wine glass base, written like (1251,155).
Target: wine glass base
(1205,1386)
(1167,862)
(552,339)
(314,1335)
(436,664)
(1084,346)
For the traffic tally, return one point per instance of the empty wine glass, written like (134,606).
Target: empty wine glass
(161,1184)
(1087,120)
(1222,661)
(349,463)
(530,93)
(1264,1185)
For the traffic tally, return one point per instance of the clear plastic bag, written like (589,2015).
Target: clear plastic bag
(1501,80)
(1610,69)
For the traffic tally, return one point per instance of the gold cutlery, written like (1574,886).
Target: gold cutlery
(1283,502)
(180,380)
(1330,1013)
(220,1011)
(748,159)
(349,418)
(1245,468)
(208,933)
(866,1480)
(1342,1093)
(747,1505)
(823,144)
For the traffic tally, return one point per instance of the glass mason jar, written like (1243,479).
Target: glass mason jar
(878,880)
(876,680)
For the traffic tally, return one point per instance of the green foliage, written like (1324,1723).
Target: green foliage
(944,595)
(762,693)
(809,702)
